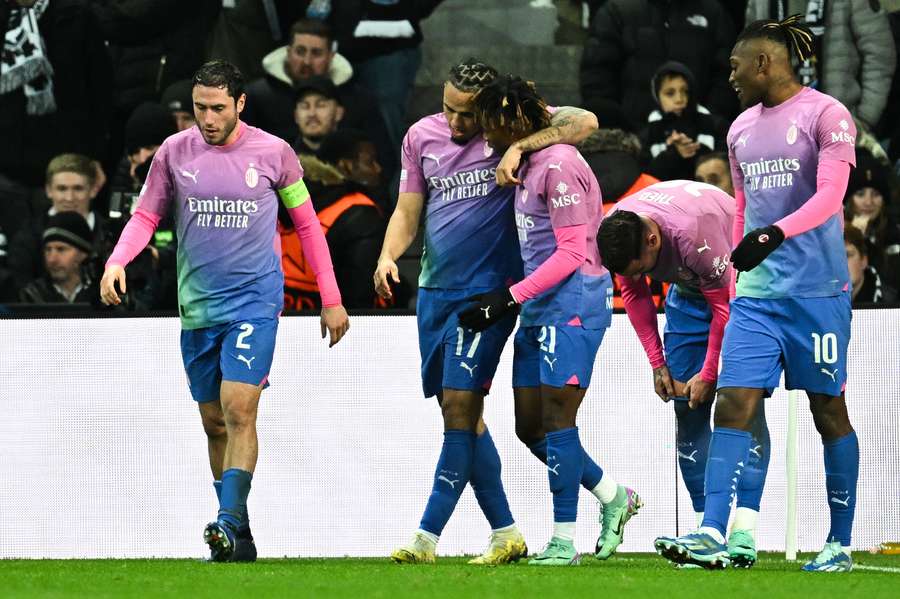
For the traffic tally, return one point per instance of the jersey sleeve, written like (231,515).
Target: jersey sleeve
(836,134)
(412,180)
(156,194)
(289,185)
(566,191)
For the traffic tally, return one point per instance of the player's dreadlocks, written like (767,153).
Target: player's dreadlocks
(791,33)
(471,75)
(512,104)
(619,240)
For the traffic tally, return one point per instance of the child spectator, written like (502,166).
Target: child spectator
(867,286)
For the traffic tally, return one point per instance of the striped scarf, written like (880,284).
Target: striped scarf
(23,62)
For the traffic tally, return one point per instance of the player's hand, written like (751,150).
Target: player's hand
(756,246)
(698,391)
(386,268)
(662,383)
(487,309)
(509,164)
(113,275)
(336,322)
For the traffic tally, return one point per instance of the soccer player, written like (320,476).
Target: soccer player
(566,307)
(791,152)
(225,179)
(470,248)
(680,232)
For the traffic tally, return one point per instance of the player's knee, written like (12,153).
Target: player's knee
(459,413)
(832,424)
(529,433)
(239,417)
(214,426)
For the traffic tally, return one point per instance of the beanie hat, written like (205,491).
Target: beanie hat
(69,227)
(177,97)
(149,125)
(868,173)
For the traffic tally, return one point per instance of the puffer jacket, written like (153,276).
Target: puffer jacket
(857,41)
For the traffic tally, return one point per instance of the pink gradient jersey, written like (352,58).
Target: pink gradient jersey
(226,203)
(559,190)
(775,154)
(695,221)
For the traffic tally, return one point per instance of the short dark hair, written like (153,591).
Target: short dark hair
(512,104)
(343,144)
(855,237)
(220,73)
(471,75)
(311,27)
(712,156)
(792,33)
(619,240)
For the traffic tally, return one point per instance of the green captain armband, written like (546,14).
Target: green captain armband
(294,195)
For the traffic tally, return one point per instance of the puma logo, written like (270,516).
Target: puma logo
(757,451)
(189,175)
(246,361)
(554,167)
(550,362)
(471,369)
(435,157)
(689,458)
(845,502)
(452,483)
(487,312)
(833,375)
(704,248)
(553,470)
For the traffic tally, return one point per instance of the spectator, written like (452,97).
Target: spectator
(271,100)
(354,229)
(54,87)
(629,40)
(353,154)
(177,100)
(67,249)
(70,186)
(382,39)
(867,287)
(713,168)
(317,113)
(679,130)
(854,54)
(614,155)
(147,127)
(865,207)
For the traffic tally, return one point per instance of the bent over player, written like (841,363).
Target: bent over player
(791,152)
(566,307)
(224,178)
(680,232)
(470,248)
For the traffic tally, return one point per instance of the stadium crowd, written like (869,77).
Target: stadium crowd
(89,89)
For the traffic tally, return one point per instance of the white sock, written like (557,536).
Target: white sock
(745,519)
(429,535)
(606,489)
(564,530)
(846,550)
(699,516)
(506,531)
(714,533)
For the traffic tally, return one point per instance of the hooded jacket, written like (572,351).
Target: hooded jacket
(271,101)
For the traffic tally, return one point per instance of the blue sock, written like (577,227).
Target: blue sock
(841,472)
(590,476)
(692,440)
(565,466)
(233,500)
(245,519)
(217,485)
(750,489)
(728,455)
(486,482)
(450,478)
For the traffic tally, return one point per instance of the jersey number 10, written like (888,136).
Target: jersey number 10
(825,348)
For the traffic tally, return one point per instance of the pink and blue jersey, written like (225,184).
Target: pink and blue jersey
(470,238)
(775,153)
(695,221)
(226,203)
(559,190)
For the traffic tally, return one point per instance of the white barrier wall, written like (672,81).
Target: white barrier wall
(102,453)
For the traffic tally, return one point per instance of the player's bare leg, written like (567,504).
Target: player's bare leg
(216,436)
(841,449)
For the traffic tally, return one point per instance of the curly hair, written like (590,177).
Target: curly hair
(512,104)
(220,73)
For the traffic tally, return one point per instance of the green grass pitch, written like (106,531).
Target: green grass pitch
(632,575)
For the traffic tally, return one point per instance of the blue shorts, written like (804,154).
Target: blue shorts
(454,357)
(686,334)
(555,356)
(805,337)
(238,351)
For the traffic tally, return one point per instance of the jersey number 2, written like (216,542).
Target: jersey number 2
(247,329)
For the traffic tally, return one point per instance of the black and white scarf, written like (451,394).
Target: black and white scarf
(23,62)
